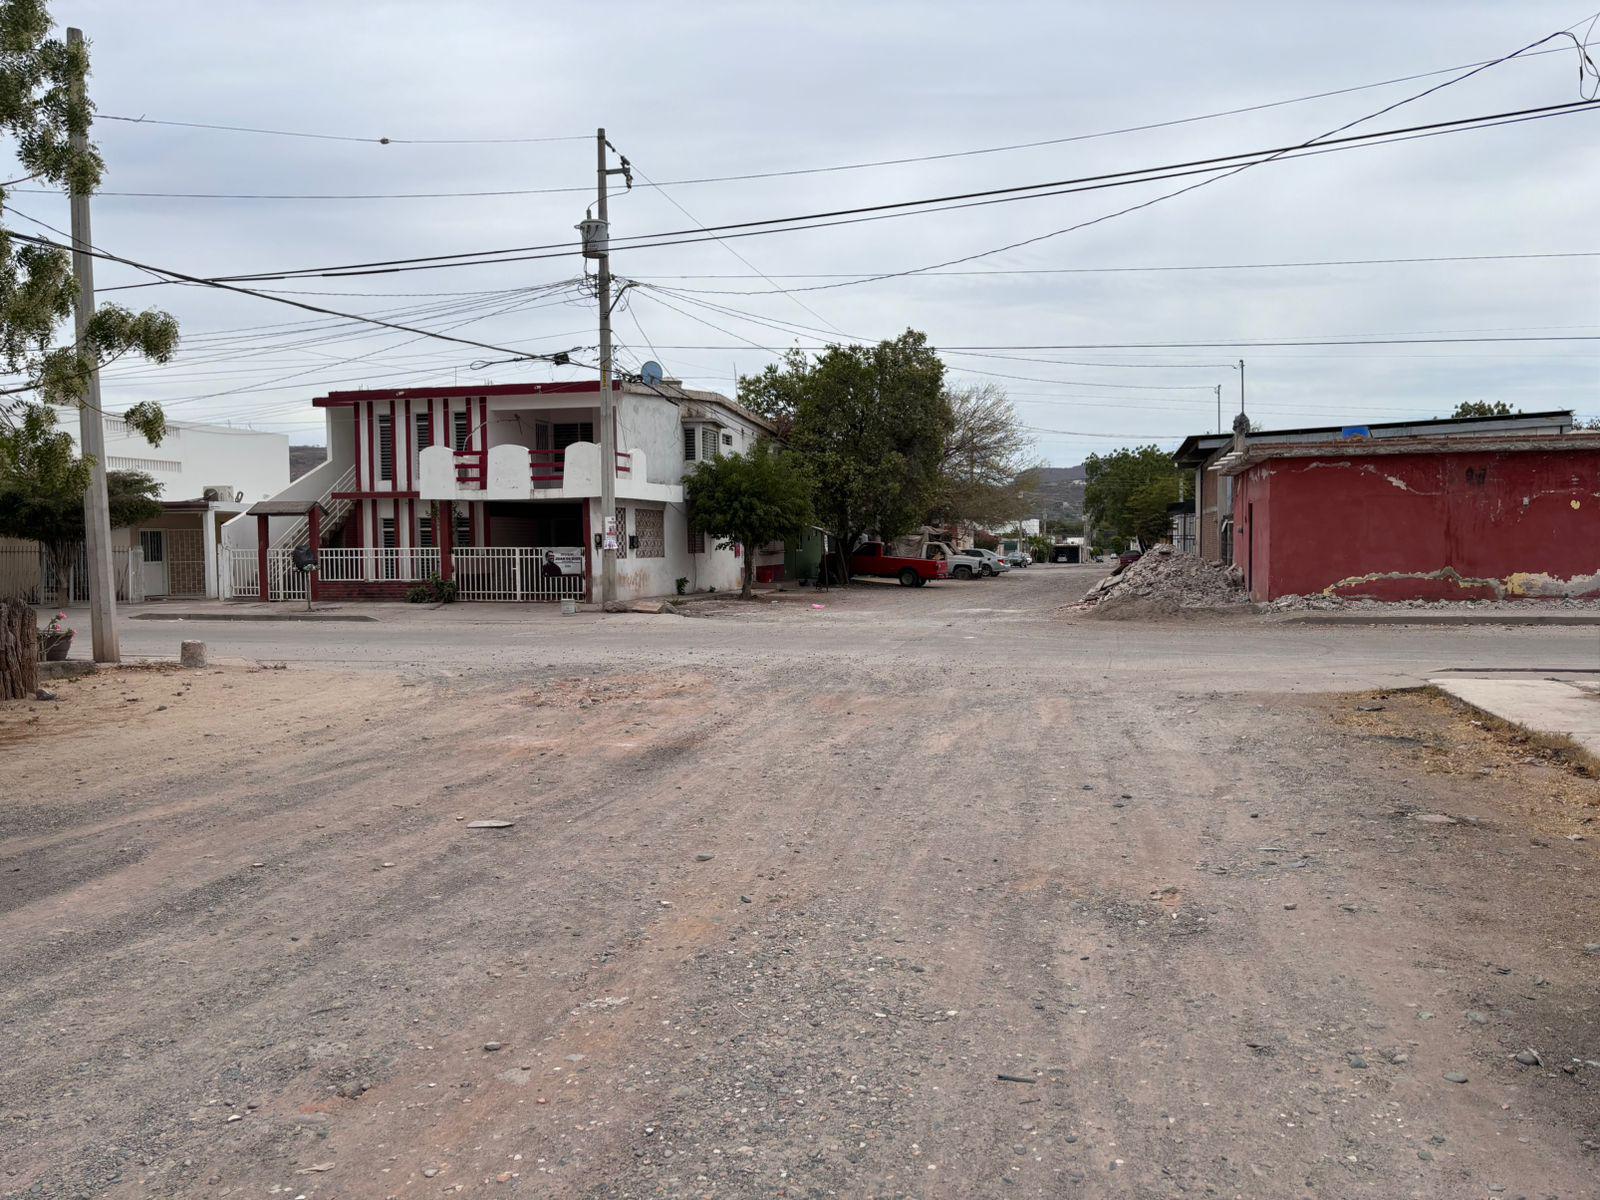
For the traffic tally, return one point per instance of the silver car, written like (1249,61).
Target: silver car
(992,563)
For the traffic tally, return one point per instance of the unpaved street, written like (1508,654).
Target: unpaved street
(939,900)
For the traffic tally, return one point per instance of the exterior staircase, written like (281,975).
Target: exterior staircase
(335,514)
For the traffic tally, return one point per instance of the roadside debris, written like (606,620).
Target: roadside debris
(490,824)
(1166,583)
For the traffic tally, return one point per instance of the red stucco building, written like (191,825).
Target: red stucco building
(1432,518)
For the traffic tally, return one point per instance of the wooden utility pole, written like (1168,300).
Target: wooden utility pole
(91,424)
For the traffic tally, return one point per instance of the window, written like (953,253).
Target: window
(567,432)
(153,545)
(424,431)
(462,429)
(463,529)
(649,525)
(688,443)
(697,541)
(425,531)
(390,539)
(622,533)
(727,439)
(385,446)
(708,442)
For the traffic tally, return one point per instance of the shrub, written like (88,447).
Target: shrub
(435,590)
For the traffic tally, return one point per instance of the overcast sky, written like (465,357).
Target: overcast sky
(715,89)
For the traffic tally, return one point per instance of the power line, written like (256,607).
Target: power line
(1228,164)
(228,287)
(1262,266)
(337,137)
(1245,344)
(780,174)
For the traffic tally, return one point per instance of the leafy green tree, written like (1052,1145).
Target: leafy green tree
(1482,408)
(869,424)
(42,105)
(749,499)
(42,481)
(1127,495)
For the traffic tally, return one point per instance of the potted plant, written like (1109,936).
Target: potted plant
(55,639)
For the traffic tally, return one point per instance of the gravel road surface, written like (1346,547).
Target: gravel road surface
(928,893)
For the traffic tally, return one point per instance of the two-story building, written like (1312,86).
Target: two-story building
(498,489)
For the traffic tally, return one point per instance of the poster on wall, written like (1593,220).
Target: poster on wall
(562,560)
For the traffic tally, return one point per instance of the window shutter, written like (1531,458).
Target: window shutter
(385,446)
(708,442)
(688,443)
(424,431)
(462,429)
(697,541)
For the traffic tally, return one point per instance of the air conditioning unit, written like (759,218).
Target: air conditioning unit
(221,493)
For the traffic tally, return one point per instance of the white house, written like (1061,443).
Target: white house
(497,489)
(208,474)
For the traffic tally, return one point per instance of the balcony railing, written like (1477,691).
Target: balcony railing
(500,470)
(546,467)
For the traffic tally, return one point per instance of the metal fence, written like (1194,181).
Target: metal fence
(506,573)
(27,573)
(514,573)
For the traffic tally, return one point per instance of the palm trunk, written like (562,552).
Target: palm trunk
(748,593)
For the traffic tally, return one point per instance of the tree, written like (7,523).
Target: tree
(1127,495)
(42,482)
(42,105)
(984,474)
(869,426)
(749,499)
(1482,408)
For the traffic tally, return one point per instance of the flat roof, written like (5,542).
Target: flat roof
(667,390)
(1505,443)
(1198,447)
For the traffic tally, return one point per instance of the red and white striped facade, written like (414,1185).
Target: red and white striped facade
(496,486)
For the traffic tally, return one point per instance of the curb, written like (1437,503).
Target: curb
(300,616)
(1394,618)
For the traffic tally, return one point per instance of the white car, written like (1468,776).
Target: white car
(992,563)
(964,564)
(1020,558)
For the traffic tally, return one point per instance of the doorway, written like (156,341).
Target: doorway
(153,543)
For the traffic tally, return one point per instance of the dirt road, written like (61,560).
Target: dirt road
(808,924)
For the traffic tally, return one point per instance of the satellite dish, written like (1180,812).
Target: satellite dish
(651,372)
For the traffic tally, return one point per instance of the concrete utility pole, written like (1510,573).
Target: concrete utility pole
(1219,408)
(608,439)
(1241,385)
(91,426)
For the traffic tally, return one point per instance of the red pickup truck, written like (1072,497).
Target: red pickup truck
(870,558)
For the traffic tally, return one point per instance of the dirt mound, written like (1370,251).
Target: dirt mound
(1164,583)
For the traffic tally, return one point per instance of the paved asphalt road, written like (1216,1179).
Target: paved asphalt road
(942,893)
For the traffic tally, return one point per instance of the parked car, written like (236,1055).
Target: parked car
(964,564)
(1020,558)
(873,558)
(1126,559)
(990,562)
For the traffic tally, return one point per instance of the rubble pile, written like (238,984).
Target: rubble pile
(1165,583)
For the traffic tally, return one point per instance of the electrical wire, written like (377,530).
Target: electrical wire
(1226,165)
(758,175)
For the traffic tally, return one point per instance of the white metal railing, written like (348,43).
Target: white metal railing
(335,511)
(515,573)
(497,573)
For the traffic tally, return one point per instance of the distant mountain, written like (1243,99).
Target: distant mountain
(304,458)
(1060,491)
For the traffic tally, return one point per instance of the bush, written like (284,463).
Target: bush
(435,590)
(683,584)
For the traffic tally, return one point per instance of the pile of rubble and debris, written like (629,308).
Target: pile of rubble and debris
(1165,583)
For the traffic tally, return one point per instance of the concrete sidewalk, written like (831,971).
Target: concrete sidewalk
(1555,706)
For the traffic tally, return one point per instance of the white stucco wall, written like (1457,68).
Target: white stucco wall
(193,457)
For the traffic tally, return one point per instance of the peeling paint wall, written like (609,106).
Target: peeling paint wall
(1456,526)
